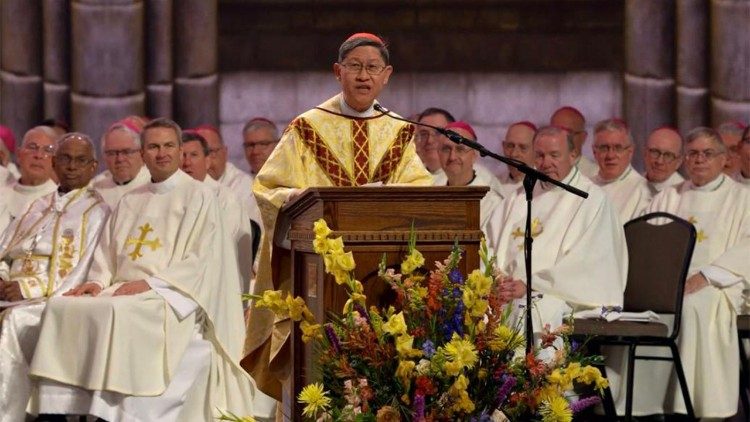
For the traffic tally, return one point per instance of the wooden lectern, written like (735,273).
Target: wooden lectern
(372,221)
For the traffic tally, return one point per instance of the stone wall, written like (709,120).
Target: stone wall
(488,101)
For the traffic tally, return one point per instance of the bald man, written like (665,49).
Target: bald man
(663,157)
(518,145)
(571,119)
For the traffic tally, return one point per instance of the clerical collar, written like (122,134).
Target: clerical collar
(622,177)
(473,177)
(346,110)
(710,186)
(568,179)
(48,186)
(168,184)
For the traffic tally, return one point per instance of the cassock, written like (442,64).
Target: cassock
(170,353)
(673,180)
(112,192)
(720,211)
(20,196)
(587,166)
(330,145)
(629,193)
(48,251)
(579,256)
(236,223)
(241,184)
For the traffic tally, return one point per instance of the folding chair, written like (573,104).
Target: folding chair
(660,246)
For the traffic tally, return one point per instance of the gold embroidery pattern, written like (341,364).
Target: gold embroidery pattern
(66,253)
(700,235)
(393,156)
(324,156)
(361,152)
(142,241)
(536,230)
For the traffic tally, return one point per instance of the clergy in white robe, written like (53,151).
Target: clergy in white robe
(234,216)
(663,157)
(731,136)
(160,336)
(519,145)
(572,120)
(227,174)
(35,162)
(44,253)
(428,141)
(459,163)
(626,189)
(579,255)
(715,291)
(121,147)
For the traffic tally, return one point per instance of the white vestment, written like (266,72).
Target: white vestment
(20,196)
(121,358)
(579,255)
(587,166)
(8,175)
(241,184)
(236,223)
(720,211)
(745,181)
(673,180)
(629,193)
(112,192)
(47,251)
(491,201)
(4,214)
(509,187)
(439,178)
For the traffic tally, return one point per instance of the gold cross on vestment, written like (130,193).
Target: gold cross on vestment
(700,236)
(140,242)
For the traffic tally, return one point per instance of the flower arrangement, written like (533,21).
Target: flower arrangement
(446,350)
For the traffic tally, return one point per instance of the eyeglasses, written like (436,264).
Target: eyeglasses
(65,160)
(458,149)
(34,147)
(511,146)
(113,153)
(708,154)
(667,156)
(257,145)
(424,135)
(372,69)
(617,149)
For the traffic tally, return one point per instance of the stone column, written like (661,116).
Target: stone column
(21,64)
(730,58)
(107,63)
(649,68)
(56,58)
(196,83)
(159,63)
(692,64)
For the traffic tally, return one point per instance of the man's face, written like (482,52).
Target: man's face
(258,145)
(732,142)
(662,155)
(194,161)
(218,153)
(519,145)
(703,161)
(74,164)
(428,141)
(553,157)
(122,156)
(613,152)
(745,156)
(572,121)
(161,152)
(362,75)
(457,160)
(35,157)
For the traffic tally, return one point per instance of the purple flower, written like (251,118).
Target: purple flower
(428,348)
(362,312)
(418,408)
(333,338)
(583,404)
(574,345)
(483,417)
(508,384)
(456,276)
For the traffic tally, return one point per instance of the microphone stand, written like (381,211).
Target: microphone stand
(530,178)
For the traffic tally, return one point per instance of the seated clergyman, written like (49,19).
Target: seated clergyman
(156,332)
(579,257)
(44,253)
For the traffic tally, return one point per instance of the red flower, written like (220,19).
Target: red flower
(425,386)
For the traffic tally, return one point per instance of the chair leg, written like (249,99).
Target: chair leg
(629,387)
(608,403)
(744,378)
(682,380)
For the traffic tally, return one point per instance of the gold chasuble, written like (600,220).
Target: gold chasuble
(321,147)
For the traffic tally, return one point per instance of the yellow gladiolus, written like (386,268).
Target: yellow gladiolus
(396,325)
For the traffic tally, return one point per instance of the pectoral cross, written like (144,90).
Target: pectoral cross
(141,241)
